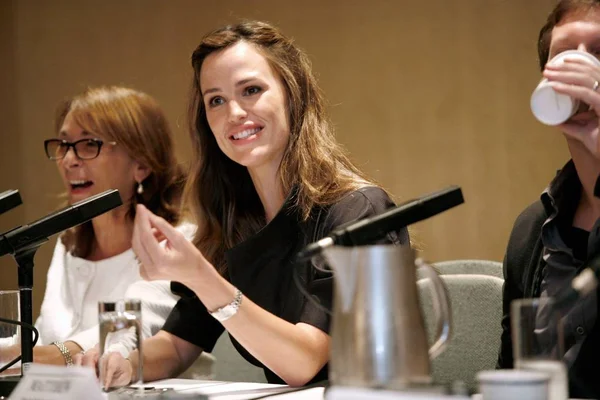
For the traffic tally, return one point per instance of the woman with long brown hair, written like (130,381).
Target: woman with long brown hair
(268,178)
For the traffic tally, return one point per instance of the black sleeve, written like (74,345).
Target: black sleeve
(519,262)
(190,320)
(362,203)
(510,291)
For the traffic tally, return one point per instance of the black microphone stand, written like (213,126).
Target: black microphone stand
(24,241)
(24,258)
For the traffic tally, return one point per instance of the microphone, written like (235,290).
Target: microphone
(38,231)
(9,199)
(368,230)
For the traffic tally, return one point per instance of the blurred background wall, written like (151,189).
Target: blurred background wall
(424,94)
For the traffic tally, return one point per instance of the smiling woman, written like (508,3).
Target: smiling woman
(243,100)
(107,138)
(267,178)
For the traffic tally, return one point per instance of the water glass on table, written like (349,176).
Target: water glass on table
(10,334)
(121,333)
(538,342)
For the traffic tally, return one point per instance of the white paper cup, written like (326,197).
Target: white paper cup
(513,384)
(553,108)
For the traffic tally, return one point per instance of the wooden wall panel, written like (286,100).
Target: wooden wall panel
(423,93)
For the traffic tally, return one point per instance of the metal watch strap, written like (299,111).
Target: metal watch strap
(65,352)
(224,313)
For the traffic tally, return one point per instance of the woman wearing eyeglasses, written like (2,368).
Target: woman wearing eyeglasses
(107,138)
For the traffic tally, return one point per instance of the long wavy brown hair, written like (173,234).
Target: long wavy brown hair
(220,192)
(137,123)
(562,9)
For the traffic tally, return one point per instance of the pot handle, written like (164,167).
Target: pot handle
(441,305)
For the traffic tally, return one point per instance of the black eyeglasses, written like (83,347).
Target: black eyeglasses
(85,149)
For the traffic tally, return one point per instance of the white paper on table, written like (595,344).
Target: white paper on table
(53,382)
(219,390)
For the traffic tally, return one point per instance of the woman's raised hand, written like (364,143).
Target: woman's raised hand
(177,260)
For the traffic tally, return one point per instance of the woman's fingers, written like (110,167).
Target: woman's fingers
(116,370)
(158,235)
(148,244)
(140,224)
(169,232)
(90,359)
(87,359)
(171,260)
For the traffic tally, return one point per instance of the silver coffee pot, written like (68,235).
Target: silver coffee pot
(378,337)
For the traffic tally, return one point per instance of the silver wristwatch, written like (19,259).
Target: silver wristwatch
(224,313)
(65,353)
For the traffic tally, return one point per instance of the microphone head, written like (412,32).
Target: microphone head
(9,199)
(314,249)
(368,230)
(39,231)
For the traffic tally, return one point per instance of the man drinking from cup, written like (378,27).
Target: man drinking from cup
(554,237)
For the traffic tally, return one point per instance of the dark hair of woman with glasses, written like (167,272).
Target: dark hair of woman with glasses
(107,138)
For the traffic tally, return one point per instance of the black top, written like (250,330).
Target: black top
(262,268)
(544,253)
(565,252)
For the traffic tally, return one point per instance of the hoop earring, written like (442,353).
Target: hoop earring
(140,188)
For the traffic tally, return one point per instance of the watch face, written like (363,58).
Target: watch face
(225,312)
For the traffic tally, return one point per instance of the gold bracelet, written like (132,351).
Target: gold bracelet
(65,352)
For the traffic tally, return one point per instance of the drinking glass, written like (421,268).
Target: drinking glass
(10,334)
(538,342)
(120,331)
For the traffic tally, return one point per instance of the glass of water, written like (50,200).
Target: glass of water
(120,332)
(10,334)
(538,342)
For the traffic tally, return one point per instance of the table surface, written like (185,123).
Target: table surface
(219,390)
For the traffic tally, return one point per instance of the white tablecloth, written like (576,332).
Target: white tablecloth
(236,390)
(241,391)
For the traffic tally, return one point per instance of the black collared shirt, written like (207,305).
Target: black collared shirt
(262,267)
(566,249)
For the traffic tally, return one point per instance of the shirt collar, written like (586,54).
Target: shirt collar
(563,191)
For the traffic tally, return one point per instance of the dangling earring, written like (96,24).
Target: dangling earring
(140,188)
